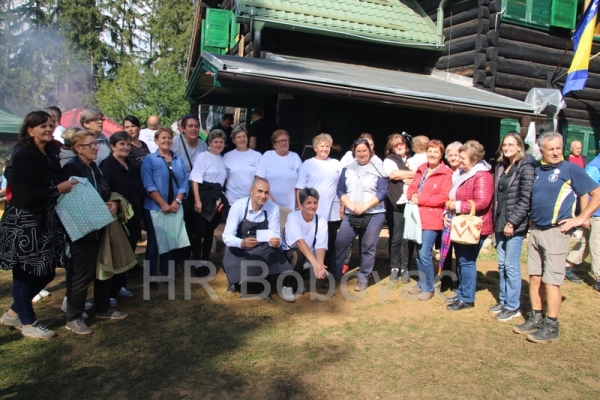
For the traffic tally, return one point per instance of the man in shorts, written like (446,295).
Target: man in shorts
(555,189)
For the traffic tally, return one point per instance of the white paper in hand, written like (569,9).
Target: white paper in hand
(263,235)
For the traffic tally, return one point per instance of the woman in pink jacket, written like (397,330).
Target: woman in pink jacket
(474,182)
(429,190)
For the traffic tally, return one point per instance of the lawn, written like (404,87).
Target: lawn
(376,346)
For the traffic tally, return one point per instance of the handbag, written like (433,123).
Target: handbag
(412,223)
(170,230)
(359,221)
(466,228)
(82,210)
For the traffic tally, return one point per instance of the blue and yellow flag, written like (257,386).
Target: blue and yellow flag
(582,45)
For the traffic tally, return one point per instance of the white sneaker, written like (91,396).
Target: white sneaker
(113,302)
(125,293)
(37,331)
(43,293)
(402,200)
(287,294)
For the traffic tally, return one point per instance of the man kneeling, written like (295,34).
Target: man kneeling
(246,256)
(305,236)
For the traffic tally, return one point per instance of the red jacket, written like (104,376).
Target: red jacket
(434,196)
(480,189)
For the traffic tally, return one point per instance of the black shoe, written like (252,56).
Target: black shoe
(201,271)
(394,275)
(570,275)
(495,309)
(459,305)
(547,333)
(534,322)
(451,300)
(405,277)
(232,288)
(325,284)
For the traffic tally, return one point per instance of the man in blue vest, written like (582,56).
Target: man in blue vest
(555,189)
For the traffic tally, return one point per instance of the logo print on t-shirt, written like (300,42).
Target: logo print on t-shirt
(553,178)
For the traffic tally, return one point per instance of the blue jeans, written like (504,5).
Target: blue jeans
(509,267)
(466,266)
(152,248)
(425,262)
(370,238)
(25,287)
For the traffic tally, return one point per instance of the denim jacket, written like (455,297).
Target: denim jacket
(155,176)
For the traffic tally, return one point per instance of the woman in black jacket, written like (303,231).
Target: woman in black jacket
(123,178)
(84,251)
(31,236)
(512,203)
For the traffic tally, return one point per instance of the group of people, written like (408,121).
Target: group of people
(286,218)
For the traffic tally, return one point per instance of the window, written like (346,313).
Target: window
(541,13)
(508,125)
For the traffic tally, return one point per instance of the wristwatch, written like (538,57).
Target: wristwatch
(178,201)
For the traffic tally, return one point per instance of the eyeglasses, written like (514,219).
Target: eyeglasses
(509,145)
(282,141)
(361,141)
(98,120)
(93,145)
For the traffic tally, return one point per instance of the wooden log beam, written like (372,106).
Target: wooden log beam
(576,121)
(479,61)
(491,68)
(518,82)
(493,38)
(581,104)
(456,60)
(580,114)
(466,70)
(467,28)
(490,83)
(491,54)
(476,42)
(513,94)
(479,77)
(456,18)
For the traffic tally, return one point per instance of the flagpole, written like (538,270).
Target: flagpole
(559,66)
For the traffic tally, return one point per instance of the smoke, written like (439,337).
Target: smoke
(40,70)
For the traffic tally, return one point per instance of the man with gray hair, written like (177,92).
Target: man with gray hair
(555,189)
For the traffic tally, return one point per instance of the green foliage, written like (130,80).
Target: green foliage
(142,91)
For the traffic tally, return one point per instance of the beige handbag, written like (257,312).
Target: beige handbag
(466,228)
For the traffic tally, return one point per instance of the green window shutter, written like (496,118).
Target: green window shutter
(587,137)
(540,12)
(217,28)
(564,13)
(508,125)
(516,9)
(203,35)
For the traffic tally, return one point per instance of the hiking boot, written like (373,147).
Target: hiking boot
(507,315)
(570,275)
(360,286)
(287,294)
(596,286)
(394,275)
(496,309)
(405,277)
(547,333)
(37,331)
(11,322)
(112,314)
(423,296)
(459,305)
(534,322)
(414,290)
(79,327)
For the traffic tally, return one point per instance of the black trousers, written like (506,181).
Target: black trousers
(332,230)
(400,249)
(204,232)
(81,272)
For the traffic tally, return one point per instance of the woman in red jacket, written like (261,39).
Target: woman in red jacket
(429,190)
(474,182)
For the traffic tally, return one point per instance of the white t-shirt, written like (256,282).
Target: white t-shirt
(147,136)
(241,169)
(208,168)
(297,228)
(322,175)
(390,166)
(57,135)
(178,148)
(416,161)
(282,174)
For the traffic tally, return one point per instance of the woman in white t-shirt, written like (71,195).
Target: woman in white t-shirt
(241,164)
(322,173)
(208,178)
(280,167)
(305,235)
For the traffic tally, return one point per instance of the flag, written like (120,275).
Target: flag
(582,45)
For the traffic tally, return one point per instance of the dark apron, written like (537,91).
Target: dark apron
(233,257)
